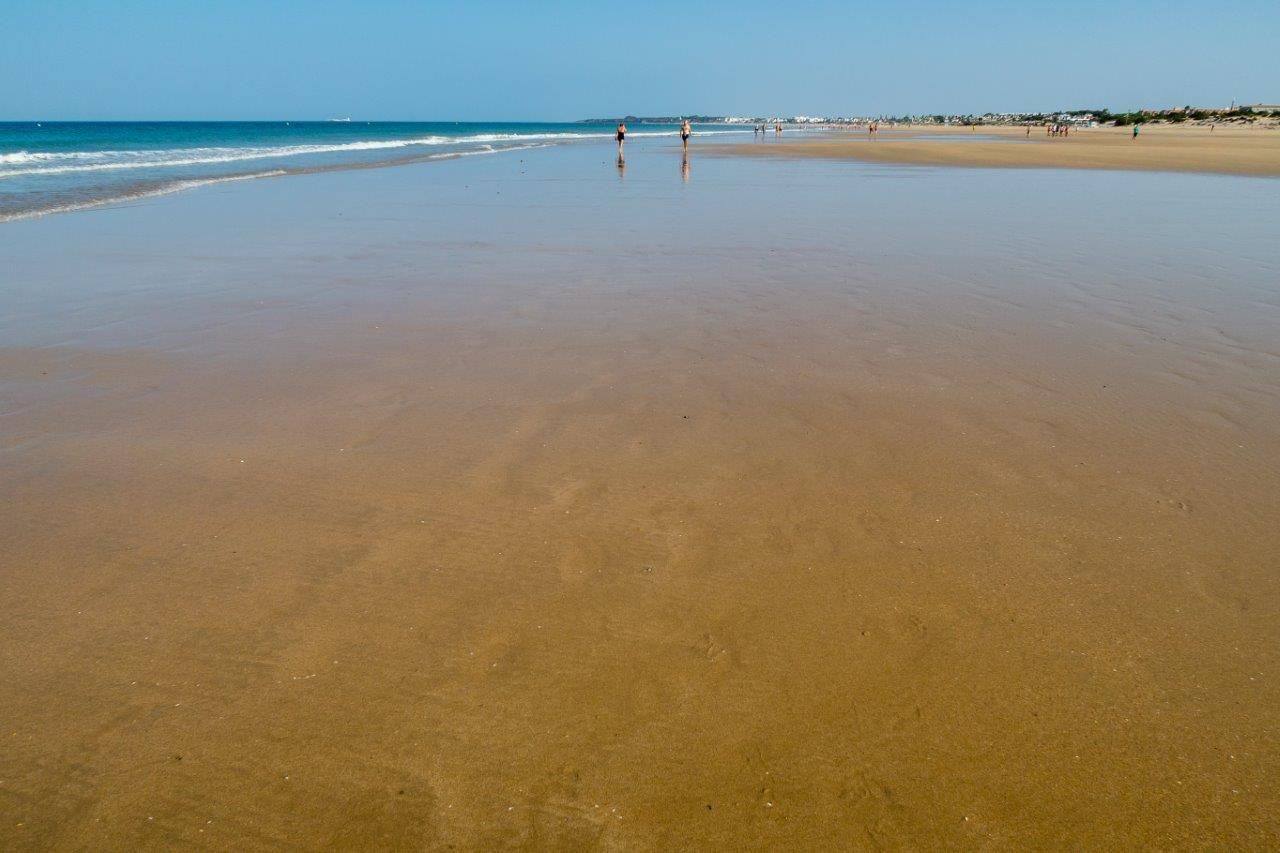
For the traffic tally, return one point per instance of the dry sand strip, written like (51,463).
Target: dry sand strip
(1228,151)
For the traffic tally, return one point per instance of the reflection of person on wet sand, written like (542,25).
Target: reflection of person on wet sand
(622,165)
(684,168)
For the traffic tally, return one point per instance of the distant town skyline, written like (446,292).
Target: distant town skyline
(566,60)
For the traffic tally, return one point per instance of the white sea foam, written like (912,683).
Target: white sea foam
(63,162)
(180,186)
(54,156)
(167,189)
(162,158)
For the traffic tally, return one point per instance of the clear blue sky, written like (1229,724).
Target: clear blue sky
(568,59)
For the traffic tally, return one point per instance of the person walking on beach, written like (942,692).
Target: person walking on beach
(1135,131)
(622,137)
(685,130)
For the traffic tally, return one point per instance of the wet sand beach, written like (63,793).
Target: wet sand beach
(1228,150)
(502,503)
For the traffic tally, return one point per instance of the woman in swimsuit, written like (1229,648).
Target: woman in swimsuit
(622,136)
(685,130)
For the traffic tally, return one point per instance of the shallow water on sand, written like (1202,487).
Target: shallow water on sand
(541,501)
(53,167)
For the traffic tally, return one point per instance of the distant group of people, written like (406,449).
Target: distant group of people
(760,130)
(1064,129)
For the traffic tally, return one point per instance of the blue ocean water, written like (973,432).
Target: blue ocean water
(49,167)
